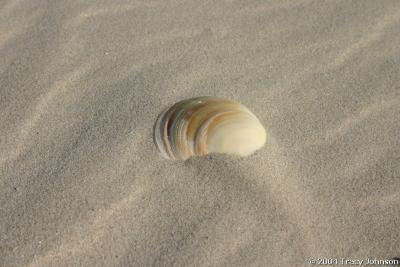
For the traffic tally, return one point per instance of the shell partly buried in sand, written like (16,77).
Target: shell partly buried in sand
(203,125)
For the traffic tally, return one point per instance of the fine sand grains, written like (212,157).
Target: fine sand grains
(82,82)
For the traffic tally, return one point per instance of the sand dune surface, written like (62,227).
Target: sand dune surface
(82,82)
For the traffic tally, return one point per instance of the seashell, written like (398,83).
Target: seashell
(203,125)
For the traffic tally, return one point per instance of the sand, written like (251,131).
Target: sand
(82,82)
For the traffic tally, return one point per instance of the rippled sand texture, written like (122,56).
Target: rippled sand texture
(81,83)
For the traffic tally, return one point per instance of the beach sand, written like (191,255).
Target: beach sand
(82,82)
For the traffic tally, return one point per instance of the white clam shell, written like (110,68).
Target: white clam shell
(202,125)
